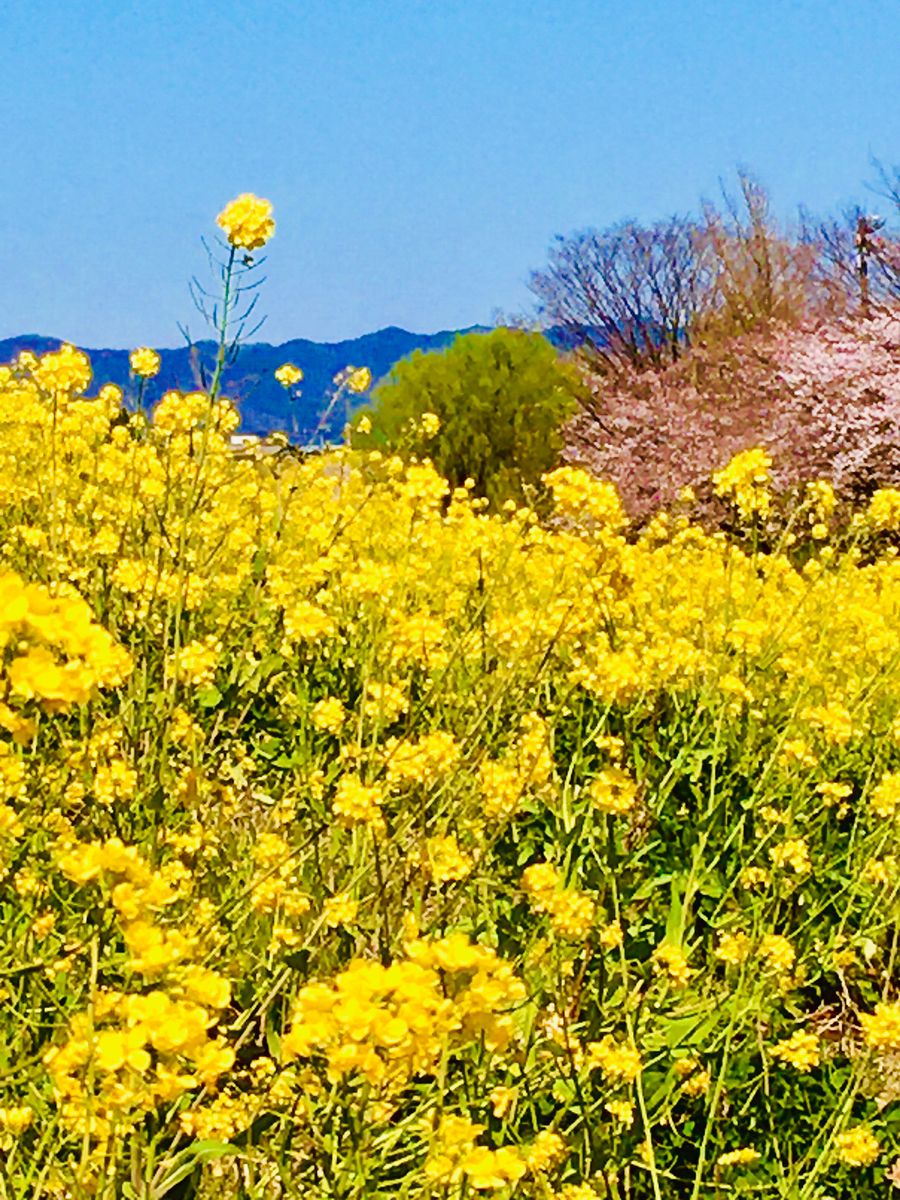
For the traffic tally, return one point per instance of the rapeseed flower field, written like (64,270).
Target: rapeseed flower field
(358,841)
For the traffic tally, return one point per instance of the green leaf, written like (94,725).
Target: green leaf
(183,1164)
(650,886)
(692,1029)
(563,1091)
(676,920)
(270,747)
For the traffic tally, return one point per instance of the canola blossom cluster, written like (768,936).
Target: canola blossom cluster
(144,362)
(357,840)
(247,221)
(288,375)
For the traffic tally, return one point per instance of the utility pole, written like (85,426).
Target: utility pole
(866,227)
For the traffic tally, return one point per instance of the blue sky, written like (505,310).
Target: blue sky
(421,154)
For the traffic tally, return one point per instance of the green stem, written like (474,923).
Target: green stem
(223,329)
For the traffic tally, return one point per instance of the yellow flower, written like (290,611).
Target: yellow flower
(198,660)
(820,496)
(880,871)
(445,860)
(339,910)
(546,1151)
(288,375)
(611,936)
(454,1158)
(794,853)
(422,761)
(621,1110)
(881,1029)
(801,1050)
(430,424)
(612,791)
(247,221)
(744,481)
(307,622)
(858,1147)
(206,987)
(501,788)
(579,1191)
(580,494)
(63,370)
(833,792)
(619,1062)
(832,720)
(501,1099)
(698,1085)
(777,952)
(540,881)
(673,962)
(733,948)
(884,509)
(357,804)
(696,1078)
(16,1120)
(571,912)
(359,379)
(738,1158)
(116,1048)
(752,877)
(328,714)
(144,362)
(886,795)
(384,702)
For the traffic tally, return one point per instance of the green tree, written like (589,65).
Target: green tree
(501,399)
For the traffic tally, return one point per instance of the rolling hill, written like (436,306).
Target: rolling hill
(250,381)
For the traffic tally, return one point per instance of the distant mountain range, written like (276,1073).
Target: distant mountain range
(264,405)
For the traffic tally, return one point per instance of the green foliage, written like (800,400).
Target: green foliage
(501,398)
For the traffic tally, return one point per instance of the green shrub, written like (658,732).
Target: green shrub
(501,399)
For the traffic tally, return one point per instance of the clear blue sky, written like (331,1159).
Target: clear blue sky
(420,154)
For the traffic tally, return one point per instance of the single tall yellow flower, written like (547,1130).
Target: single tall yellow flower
(247,221)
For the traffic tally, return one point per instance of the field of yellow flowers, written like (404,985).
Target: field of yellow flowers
(359,842)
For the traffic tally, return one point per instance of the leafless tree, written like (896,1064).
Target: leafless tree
(887,185)
(760,273)
(628,294)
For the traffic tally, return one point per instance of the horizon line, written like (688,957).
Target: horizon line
(18,337)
